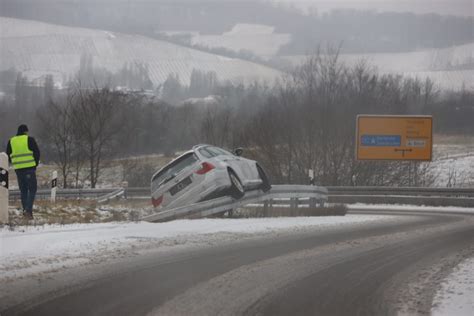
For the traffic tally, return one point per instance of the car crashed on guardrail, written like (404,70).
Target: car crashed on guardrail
(206,172)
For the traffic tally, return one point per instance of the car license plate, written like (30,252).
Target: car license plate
(180,186)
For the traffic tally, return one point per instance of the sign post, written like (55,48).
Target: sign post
(54,186)
(394,137)
(3,188)
(311,176)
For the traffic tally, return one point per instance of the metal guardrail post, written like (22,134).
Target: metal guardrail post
(294,203)
(267,207)
(3,188)
(312,202)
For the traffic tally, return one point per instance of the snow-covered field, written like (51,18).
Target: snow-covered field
(43,250)
(453,161)
(456,171)
(423,60)
(259,39)
(456,296)
(443,66)
(37,49)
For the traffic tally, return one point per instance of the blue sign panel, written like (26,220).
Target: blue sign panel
(381,140)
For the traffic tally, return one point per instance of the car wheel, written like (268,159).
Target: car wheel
(265,186)
(236,189)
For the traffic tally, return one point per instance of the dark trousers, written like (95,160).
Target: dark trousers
(27,183)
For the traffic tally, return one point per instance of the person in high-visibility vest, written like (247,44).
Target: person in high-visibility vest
(24,155)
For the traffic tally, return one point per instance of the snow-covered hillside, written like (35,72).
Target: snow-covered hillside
(259,39)
(448,67)
(37,49)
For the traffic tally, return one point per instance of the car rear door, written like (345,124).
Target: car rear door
(239,165)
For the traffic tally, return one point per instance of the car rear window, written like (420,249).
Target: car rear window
(171,170)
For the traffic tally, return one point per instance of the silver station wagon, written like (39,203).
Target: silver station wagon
(204,173)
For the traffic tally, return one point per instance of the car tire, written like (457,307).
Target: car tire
(236,189)
(265,186)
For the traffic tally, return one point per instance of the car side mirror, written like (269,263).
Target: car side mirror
(238,152)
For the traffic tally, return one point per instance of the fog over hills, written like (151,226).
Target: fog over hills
(363,26)
(178,36)
(37,49)
(444,7)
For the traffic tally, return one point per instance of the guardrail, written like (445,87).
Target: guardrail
(388,195)
(356,190)
(215,206)
(111,195)
(461,197)
(411,191)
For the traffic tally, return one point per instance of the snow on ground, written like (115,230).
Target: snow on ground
(456,296)
(453,161)
(37,49)
(455,170)
(445,67)
(42,250)
(259,39)
(407,62)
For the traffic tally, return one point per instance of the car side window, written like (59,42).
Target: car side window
(215,151)
(219,151)
(225,152)
(206,153)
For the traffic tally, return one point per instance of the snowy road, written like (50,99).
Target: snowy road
(358,264)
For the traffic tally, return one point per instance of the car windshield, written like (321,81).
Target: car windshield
(171,170)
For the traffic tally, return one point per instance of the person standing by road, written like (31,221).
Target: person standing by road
(24,155)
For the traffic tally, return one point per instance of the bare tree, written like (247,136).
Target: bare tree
(216,126)
(58,131)
(97,119)
(309,123)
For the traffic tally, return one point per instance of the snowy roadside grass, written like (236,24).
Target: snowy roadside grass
(81,211)
(456,296)
(40,251)
(121,210)
(453,160)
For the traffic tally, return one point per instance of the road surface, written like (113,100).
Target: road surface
(384,269)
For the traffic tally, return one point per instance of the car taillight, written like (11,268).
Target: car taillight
(157,202)
(205,168)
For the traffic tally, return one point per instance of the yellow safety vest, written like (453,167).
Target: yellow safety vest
(21,156)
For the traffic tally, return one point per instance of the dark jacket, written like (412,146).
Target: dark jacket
(32,145)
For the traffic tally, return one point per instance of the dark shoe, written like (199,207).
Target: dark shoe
(29,215)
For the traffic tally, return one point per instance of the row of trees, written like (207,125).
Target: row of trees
(84,128)
(134,76)
(305,122)
(309,123)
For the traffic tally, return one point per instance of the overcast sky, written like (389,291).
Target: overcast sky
(454,7)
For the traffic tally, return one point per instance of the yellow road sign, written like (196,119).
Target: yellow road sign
(394,137)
